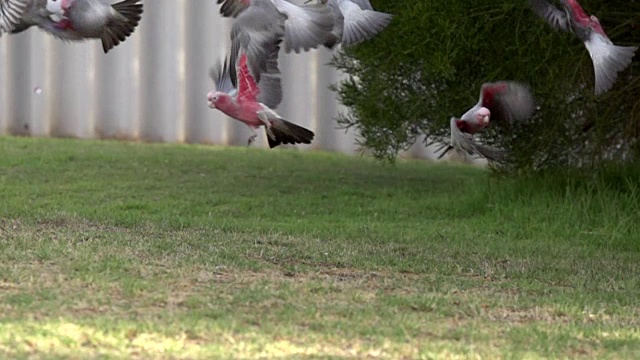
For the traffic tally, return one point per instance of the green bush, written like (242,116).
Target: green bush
(429,64)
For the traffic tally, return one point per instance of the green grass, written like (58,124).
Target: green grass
(122,250)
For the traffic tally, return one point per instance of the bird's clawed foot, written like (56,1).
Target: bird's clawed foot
(252,138)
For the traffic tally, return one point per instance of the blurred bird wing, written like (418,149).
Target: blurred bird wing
(224,76)
(11,12)
(267,90)
(360,24)
(270,84)
(255,32)
(307,26)
(363,4)
(491,153)
(460,140)
(557,18)
(232,8)
(468,144)
(507,101)
(247,85)
(128,14)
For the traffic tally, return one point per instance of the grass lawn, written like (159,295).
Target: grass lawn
(122,250)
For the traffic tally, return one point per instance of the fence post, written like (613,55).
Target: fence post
(117,90)
(161,86)
(20,90)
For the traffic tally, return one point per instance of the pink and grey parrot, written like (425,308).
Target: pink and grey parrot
(248,92)
(83,19)
(502,102)
(10,13)
(608,59)
(305,27)
(355,20)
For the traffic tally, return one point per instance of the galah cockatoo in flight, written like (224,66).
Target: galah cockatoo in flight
(83,19)
(10,13)
(608,59)
(355,20)
(305,27)
(502,102)
(248,94)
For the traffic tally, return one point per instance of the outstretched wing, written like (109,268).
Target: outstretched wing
(468,144)
(255,32)
(231,8)
(507,101)
(247,85)
(119,30)
(10,13)
(557,18)
(270,83)
(360,22)
(224,75)
(266,90)
(307,26)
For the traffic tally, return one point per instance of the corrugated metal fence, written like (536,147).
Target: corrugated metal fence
(153,86)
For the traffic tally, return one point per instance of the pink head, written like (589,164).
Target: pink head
(216,99)
(482,117)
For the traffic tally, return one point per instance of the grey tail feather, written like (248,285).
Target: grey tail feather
(117,31)
(285,132)
(621,57)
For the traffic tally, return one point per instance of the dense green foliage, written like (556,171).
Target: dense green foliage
(429,64)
